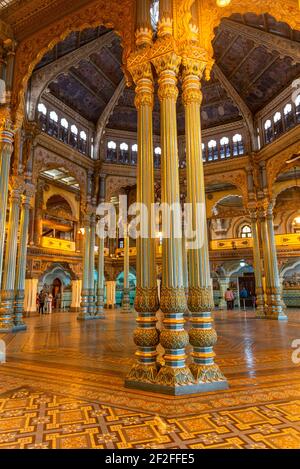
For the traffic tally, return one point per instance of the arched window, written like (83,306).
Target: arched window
(238,145)
(82,142)
(53,116)
(296,224)
(212,150)
(42,109)
(288,116)
(112,145)
(124,155)
(203,152)
(224,147)
(74,136)
(154,13)
(64,126)
(157,156)
(111,151)
(297,106)
(42,116)
(74,129)
(134,150)
(83,135)
(268,131)
(246,231)
(53,124)
(278,127)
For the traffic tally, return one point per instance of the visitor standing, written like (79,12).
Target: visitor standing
(229,298)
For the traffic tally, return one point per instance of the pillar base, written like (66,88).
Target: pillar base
(19,328)
(178,390)
(126,307)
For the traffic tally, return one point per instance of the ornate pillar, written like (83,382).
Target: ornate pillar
(9,274)
(100,284)
(274,308)
(76,295)
(146,336)
(21,261)
(6,149)
(260,297)
(38,214)
(202,335)
(126,298)
(274,291)
(174,376)
(85,293)
(31,289)
(111,294)
(92,305)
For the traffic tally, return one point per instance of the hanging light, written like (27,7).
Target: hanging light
(225,3)
(243,263)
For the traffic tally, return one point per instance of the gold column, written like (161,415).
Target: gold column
(174,376)
(6,149)
(100,284)
(92,265)
(260,298)
(274,308)
(84,313)
(126,297)
(8,281)
(21,261)
(146,336)
(202,335)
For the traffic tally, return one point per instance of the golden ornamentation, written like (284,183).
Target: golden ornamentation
(146,337)
(146,300)
(203,337)
(200,299)
(169,376)
(142,373)
(172,300)
(173,339)
(207,373)
(6,120)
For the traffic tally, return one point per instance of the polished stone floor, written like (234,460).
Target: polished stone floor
(62,387)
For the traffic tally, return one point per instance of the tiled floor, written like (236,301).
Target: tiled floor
(62,387)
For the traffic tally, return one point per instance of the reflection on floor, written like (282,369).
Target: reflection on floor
(62,387)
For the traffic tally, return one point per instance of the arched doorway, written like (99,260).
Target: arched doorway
(57,293)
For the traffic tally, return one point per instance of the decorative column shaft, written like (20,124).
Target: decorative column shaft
(92,266)
(202,335)
(100,284)
(260,298)
(6,149)
(146,336)
(174,376)
(275,308)
(126,297)
(8,281)
(84,313)
(21,262)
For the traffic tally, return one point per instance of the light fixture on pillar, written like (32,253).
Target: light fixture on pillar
(225,3)
(81,231)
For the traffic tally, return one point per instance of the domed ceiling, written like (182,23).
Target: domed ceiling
(253,57)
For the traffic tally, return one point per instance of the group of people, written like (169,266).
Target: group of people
(230,297)
(44,302)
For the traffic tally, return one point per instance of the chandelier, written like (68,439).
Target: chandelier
(224,3)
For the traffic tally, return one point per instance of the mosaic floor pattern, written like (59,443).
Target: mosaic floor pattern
(62,387)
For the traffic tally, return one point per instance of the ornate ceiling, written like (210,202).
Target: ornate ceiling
(256,57)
